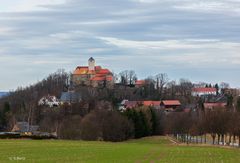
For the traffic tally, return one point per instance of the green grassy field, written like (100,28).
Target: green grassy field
(153,149)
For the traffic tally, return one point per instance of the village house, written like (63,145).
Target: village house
(155,104)
(202,91)
(140,83)
(50,101)
(208,106)
(92,75)
(165,105)
(70,97)
(170,105)
(25,128)
(125,104)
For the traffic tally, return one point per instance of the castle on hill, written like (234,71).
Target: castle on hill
(92,75)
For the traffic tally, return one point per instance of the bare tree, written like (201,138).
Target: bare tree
(128,77)
(132,77)
(224,86)
(171,89)
(161,81)
(124,77)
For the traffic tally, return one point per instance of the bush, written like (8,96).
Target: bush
(70,128)
(106,125)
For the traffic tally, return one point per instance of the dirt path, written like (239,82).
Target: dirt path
(173,140)
(152,156)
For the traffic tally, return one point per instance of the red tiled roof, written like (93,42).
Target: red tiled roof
(100,75)
(151,103)
(101,78)
(91,72)
(97,79)
(140,82)
(109,78)
(131,104)
(80,70)
(103,71)
(204,90)
(171,102)
(214,105)
(98,67)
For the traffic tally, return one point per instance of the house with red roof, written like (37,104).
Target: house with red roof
(140,83)
(166,105)
(125,104)
(155,104)
(92,75)
(208,106)
(202,91)
(170,105)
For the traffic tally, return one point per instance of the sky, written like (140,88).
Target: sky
(194,39)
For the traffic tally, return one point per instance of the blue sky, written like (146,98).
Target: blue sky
(194,39)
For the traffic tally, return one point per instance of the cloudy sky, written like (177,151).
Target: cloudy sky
(194,39)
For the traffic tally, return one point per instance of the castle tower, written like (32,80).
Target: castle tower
(91,64)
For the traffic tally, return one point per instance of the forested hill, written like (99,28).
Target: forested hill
(92,115)
(17,105)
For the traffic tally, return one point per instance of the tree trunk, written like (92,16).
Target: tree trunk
(222,137)
(218,139)
(234,139)
(239,141)
(205,138)
(29,117)
(230,139)
(213,138)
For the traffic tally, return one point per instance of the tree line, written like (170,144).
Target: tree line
(222,125)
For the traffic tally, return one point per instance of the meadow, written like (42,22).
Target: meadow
(151,149)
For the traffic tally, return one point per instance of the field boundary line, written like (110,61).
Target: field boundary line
(173,140)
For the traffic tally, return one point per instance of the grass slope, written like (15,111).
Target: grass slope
(153,149)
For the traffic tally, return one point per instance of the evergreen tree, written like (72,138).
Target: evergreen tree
(217,88)
(3,115)
(141,123)
(138,124)
(229,100)
(154,121)
(146,130)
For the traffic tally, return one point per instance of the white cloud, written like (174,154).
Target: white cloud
(51,62)
(212,6)
(146,1)
(172,44)
(27,5)
(6,31)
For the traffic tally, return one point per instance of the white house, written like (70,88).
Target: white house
(50,101)
(204,91)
